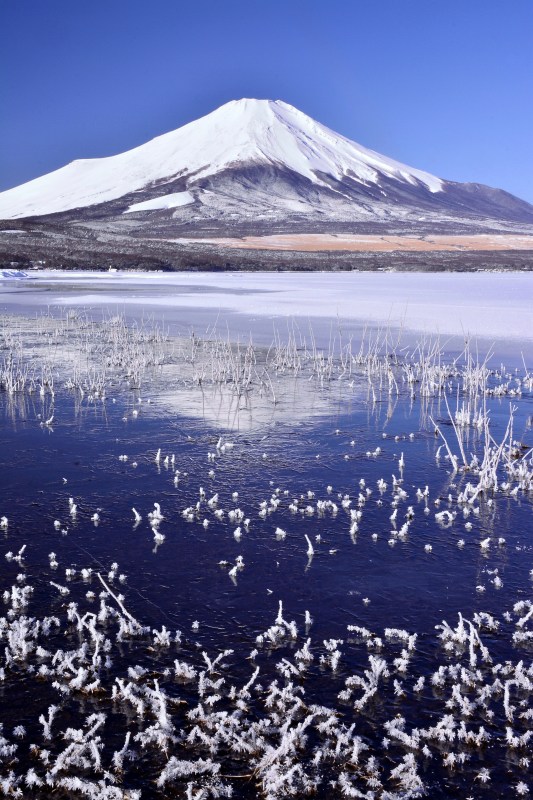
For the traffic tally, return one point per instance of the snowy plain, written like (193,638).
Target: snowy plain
(174,200)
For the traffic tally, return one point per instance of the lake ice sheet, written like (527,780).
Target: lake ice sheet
(494,306)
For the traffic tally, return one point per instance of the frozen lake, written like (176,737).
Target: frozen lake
(491,306)
(230,569)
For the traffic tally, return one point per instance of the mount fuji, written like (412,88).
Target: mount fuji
(251,167)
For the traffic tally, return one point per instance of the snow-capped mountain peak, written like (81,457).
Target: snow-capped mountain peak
(254,164)
(241,132)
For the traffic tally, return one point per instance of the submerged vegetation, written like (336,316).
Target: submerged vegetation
(103,697)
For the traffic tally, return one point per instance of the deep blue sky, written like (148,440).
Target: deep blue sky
(443,85)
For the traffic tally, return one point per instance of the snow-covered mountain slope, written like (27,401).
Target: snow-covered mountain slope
(240,132)
(252,160)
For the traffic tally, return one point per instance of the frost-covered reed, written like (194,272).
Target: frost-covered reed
(269,726)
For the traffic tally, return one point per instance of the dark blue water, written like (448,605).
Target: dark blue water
(350,580)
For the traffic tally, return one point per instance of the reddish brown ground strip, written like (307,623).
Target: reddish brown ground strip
(328,242)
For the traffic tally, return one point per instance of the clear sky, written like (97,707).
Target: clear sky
(443,85)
